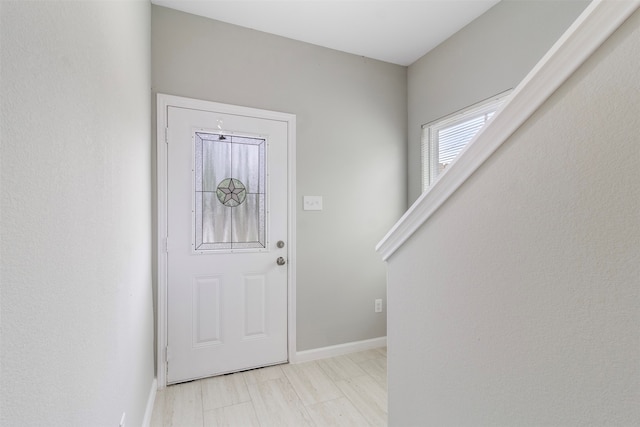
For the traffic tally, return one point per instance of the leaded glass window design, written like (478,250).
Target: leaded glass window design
(230,192)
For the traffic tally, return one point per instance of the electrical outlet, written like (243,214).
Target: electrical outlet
(378,306)
(122,419)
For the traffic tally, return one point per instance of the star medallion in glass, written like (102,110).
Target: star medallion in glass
(229,209)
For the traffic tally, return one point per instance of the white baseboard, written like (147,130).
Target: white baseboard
(150,401)
(338,350)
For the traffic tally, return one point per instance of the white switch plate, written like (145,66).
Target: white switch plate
(378,306)
(312,203)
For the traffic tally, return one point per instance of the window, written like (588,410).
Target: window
(444,139)
(229,209)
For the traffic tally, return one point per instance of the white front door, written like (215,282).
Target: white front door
(227,242)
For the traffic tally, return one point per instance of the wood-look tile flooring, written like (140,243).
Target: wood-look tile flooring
(348,390)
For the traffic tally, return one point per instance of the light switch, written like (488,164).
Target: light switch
(312,203)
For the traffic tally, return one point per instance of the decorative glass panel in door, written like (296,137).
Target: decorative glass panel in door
(230,195)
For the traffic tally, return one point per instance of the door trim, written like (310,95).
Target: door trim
(163,102)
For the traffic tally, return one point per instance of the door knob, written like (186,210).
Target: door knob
(280,261)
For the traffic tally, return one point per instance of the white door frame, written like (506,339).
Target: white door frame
(163,102)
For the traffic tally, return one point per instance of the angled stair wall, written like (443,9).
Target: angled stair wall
(513,285)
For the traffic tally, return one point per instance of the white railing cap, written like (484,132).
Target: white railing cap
(598,21)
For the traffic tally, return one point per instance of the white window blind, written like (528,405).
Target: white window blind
(444,139)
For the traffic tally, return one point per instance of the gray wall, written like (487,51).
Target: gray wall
(351,149)
(77,319)
(490,55)
(517,302)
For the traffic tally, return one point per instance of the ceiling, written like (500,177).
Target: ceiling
(396,31)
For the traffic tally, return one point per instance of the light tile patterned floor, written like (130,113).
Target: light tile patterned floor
(346,390)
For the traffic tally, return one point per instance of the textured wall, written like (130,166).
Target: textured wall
(490,55)
(517,302)
(351,149)
(76,303)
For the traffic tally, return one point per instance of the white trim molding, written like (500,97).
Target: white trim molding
(339,350)
(599,20)
(150,403)
(163,102)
